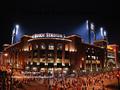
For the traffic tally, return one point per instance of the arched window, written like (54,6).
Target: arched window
(36,46)
(43,46)
(59,46)
(30,47)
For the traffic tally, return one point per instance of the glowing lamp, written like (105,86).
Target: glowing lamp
(117,75)
(6,54)
(17,26)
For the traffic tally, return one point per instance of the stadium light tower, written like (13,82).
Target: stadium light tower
(89,31)
(92,27)
(87,26)
(14,33)
(102,32)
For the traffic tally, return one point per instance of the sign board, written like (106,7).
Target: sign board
(48,35)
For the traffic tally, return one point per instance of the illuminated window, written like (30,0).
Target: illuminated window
(34,68)
(86,50)
(27,68)
(51,47)
(30,47)
(59,47)
(82,59)
(88,56)
(35,53)
(59,60)
(51,54)
(38,63)
(50,60)
(43,46)
(42,60)
(67,61)
(66,47)
(97,58)
(46,64)
(26,48)
(36,46)
(31,63)
(93,57)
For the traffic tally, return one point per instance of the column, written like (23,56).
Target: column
(55,55)
(96,66)
(63,53)
(32,53)
(91,66)
(46,57)
(55,52)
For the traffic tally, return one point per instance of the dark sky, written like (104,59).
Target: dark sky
(58,16)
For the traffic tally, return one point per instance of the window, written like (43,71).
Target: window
(42,60)
(67,55)
(25,48)
(67,61)
(86,50)
(51,54)
(43,54)
(59,54)
(35,54)
(51,47)
(30,47)
(59,60)
(50,60)
(36,46)
(88,56)
(66,47)
(59,47)
(97,57)
(93,52)
(43,46)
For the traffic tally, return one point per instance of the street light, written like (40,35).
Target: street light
(118,79)
(6,54)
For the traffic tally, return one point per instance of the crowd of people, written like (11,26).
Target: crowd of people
(91,81)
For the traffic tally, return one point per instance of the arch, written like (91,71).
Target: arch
(110,61)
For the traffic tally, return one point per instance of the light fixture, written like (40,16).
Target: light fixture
(17,26)
(6,54)
(38,63)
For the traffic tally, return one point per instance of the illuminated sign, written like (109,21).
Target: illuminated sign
(48,35)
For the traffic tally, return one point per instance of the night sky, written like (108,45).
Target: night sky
(58,17)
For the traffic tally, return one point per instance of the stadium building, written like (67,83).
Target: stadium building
(51,52)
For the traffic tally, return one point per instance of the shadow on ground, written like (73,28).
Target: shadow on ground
(113,87)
